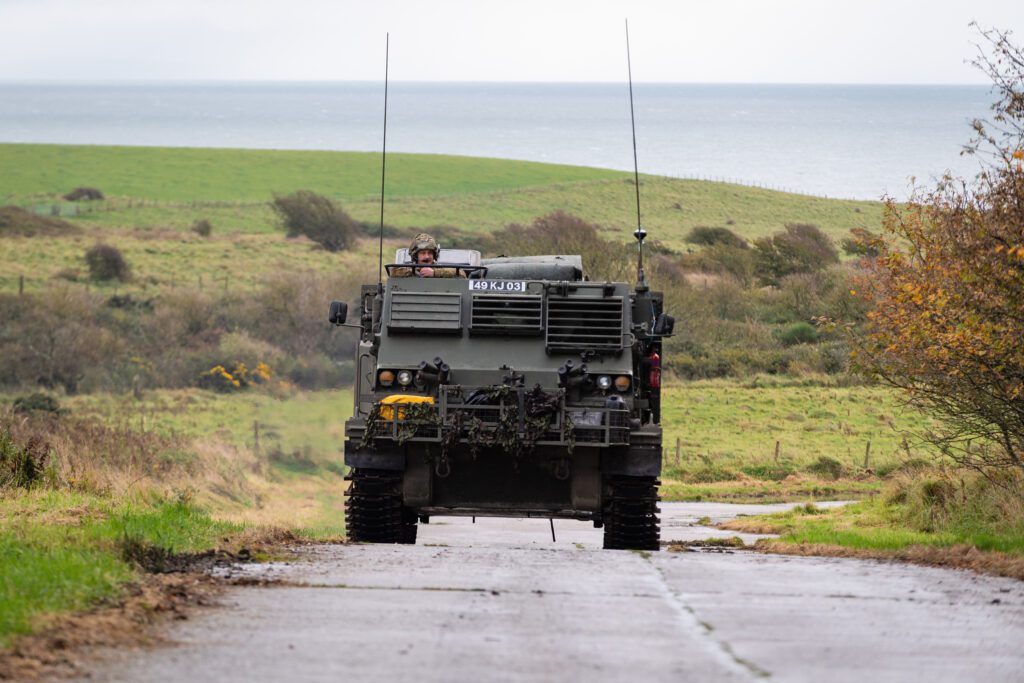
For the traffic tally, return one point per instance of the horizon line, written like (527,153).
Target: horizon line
(251,81)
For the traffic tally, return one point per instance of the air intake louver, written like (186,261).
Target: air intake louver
(425,312)
(577,324)
(504,314)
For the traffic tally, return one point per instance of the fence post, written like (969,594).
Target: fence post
(867,454)
(256,436)
(21,285)
(778,445)
(678,461)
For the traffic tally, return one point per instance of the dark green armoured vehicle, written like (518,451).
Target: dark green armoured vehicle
(519,389)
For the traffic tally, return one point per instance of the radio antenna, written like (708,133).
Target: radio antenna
(640,233)
(383,165)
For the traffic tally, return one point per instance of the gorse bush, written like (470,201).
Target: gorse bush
(319,218)
(106,263)
(240,377)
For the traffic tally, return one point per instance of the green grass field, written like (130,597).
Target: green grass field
(308,422)
(735,426)
(154,195)
(170,187)
(62,551)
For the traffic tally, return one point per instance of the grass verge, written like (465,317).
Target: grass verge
(63,551)
(935,517)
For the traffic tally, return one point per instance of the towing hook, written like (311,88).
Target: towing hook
(443,468)
(562,469)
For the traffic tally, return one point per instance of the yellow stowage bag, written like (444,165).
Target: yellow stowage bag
(387,410)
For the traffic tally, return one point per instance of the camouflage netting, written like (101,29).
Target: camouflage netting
(539,411)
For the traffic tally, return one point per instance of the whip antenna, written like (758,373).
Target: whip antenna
(383,164)
(640,233)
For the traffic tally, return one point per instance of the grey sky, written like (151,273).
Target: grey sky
(744,41)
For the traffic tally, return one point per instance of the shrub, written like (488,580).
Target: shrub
(240,377)
(826,467)
(861,242)
(948,314)
(21,466)
(83,194)
(317,372)
(52,339)
(317,217)
(798,333)
(800,248)
(563,233)
(708,236)
(202,227)
(36,402)
(106,263)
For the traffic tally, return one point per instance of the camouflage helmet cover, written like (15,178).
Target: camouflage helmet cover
(421,242)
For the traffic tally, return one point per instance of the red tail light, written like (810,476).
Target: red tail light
(654,379)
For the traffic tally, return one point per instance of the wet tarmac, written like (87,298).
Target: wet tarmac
(498,600)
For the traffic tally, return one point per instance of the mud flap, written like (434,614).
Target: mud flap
(417,485)
(637,461)
(586,481)
(376,460)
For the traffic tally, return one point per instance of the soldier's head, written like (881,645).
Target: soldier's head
(424,249)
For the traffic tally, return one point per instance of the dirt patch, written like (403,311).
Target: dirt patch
(17,221)
(954,557)
(750,526)
(60,648)
(170,587)
(733,542)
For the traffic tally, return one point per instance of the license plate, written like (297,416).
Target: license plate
(497,285)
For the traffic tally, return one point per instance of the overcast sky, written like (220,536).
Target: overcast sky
(733,41)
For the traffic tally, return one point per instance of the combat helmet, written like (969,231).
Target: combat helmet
(422,242)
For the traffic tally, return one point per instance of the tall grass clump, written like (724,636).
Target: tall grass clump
(988,509)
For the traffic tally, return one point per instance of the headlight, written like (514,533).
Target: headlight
(604,382)
(622,383)
(589,418)
(386,378)
(404,378)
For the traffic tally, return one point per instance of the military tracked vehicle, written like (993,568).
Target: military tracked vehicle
(518,389)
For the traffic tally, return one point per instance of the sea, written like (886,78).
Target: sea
(845,141)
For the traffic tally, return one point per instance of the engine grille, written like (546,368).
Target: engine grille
(425,312)
(579,324)
(503,314)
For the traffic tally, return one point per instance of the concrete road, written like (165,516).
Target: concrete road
(497,600)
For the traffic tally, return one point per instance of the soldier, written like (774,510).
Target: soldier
(425,251)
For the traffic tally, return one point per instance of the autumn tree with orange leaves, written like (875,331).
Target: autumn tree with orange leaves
(947,288)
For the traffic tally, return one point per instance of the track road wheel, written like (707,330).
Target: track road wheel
(631,513)
(374,513)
